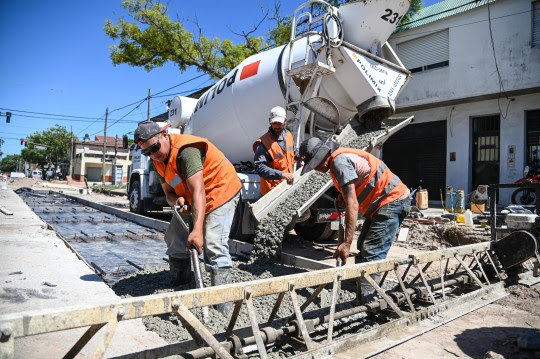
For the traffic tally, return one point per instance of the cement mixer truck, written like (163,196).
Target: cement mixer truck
(338,69)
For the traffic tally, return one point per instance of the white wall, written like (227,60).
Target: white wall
(472,69)
(458,121)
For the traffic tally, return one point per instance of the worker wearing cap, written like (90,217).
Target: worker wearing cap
(365,185)
(274,152)
(195,173)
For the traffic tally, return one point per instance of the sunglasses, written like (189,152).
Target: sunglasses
(152,149)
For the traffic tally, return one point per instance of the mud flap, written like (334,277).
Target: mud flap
(516,248)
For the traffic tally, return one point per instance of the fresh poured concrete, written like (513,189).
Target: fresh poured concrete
(38,271)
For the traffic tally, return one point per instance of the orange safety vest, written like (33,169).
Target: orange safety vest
(220,180)
(380,187)
(280,161)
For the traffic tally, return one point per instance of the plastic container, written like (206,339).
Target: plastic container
(478,208)
(520,220)
(422,199)
(450,201)
(455,200)
(460,201)
(468,218)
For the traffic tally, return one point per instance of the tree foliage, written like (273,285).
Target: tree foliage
(153,39)
(9,163)
(57,141)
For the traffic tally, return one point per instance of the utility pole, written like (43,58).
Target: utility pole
(104,145)
(71,155)
(114,161)
(148,112)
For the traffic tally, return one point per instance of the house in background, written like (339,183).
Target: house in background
(474,92)
(88,160)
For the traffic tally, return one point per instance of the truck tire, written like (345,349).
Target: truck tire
(135,198)
(312,231)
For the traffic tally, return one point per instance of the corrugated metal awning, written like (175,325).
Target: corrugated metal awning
(440,11)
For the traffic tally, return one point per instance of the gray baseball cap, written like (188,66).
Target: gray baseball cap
(314,151)
(146,130)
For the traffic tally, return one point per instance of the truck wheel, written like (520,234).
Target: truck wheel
(314,231)
(135,199)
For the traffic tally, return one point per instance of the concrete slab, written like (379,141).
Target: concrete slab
(38,271)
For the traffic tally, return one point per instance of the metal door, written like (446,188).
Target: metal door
(486,150)
(533,139)
(417,155)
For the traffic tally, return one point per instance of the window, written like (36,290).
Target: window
(536,24)
(426,52)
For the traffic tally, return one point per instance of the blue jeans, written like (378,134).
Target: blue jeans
(217,226)
(379,232)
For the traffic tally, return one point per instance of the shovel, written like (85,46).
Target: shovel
(194,261)
(341,231)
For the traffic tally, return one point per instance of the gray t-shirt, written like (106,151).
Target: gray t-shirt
(349,167)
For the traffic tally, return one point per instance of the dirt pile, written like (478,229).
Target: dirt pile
(16,183)
(523,298)
(433,236)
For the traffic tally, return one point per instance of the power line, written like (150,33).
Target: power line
(61,119)
(49,114)
(112,124)
(180,84)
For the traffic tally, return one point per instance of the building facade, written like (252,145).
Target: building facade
(474,92)
(88,160)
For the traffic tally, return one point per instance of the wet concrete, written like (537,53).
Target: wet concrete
(158,280)
(112,245)
(271,230)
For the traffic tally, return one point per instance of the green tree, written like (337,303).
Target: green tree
(153,39)
(9,163)
(47,147)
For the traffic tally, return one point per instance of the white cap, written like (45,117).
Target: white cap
(278,114)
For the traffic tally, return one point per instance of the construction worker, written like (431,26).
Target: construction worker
(366,185)
(274,152)
(196,176)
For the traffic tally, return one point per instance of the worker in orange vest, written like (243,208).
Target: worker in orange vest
(274,152)
(196,176)
(365,185)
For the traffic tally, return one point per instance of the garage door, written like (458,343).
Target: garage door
(417,154)
(93,174)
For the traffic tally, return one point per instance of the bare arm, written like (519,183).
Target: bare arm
(351,211)
(351,216)
(195,185)
(170,195)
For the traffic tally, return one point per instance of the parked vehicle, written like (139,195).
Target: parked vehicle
(37,174)
(325,79)
(526,196)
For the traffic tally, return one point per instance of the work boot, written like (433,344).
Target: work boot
(180,269)
(367,292)
(221,276)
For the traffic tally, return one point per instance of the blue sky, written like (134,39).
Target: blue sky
(55,60)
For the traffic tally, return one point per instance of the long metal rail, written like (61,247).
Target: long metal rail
(411,294)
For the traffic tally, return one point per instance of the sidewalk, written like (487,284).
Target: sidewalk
(38,271)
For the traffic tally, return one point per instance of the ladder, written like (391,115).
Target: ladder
(307,73)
